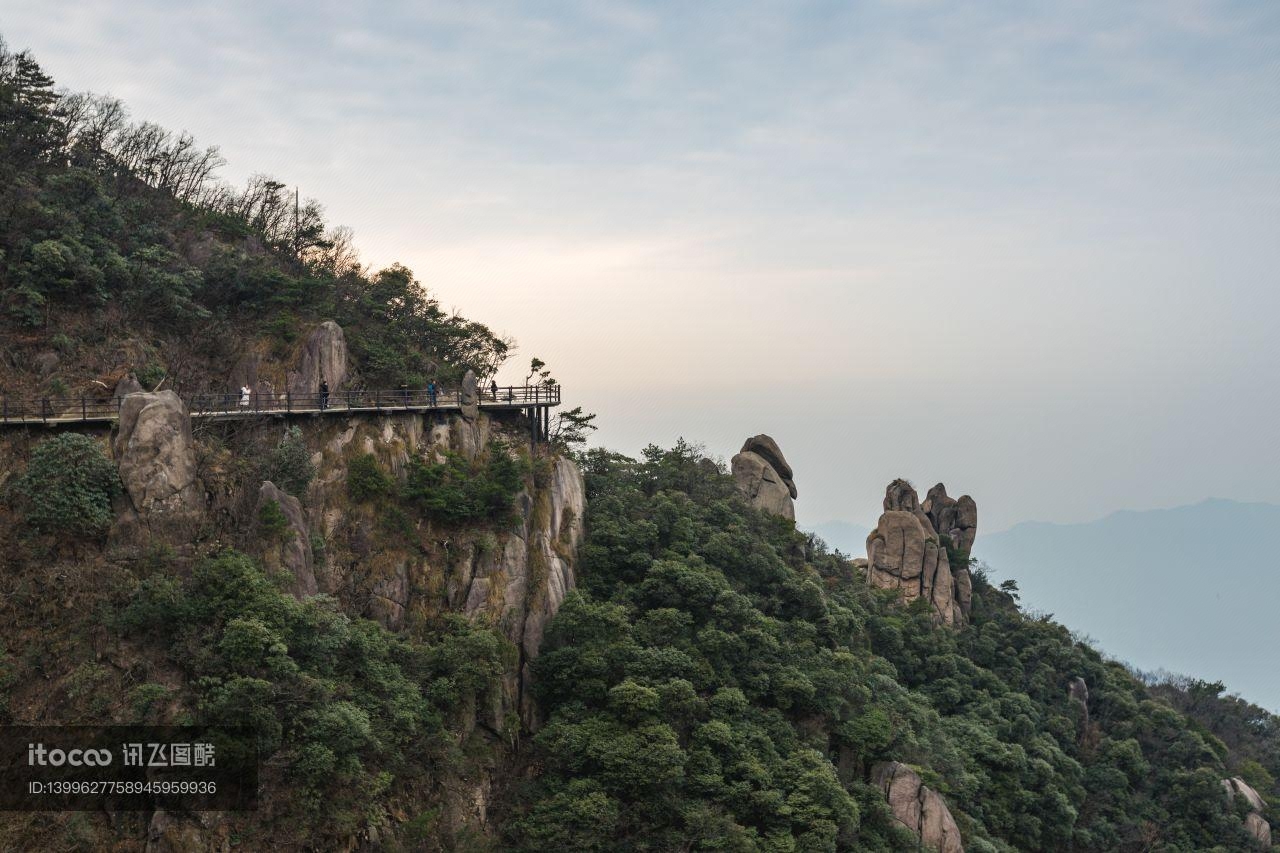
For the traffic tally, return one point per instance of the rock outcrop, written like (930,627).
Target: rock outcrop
(469,396)
(554,532)
(1254,822)
(324,356)
(127,385)
(514,577)
(918,807)
(291,551)
(1078,693)
(156,456)
(955,518)
(764,478)
(906,553)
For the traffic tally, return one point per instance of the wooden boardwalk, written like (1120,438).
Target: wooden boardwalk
(532,400)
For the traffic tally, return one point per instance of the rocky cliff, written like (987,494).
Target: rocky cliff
(514,578)
(190,494)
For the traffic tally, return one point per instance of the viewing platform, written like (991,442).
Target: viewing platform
(64,410)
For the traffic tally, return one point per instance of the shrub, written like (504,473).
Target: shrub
(150,374)
(146,699)
(366,480)
(289,464)
(271,521)
(68,486)
(457,490)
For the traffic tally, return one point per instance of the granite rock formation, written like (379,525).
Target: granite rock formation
(515,577)
(955,518)
(324,356)
(918,807)
(764,478)
(1254,822)
(905,551)
(156,455)
(292,552)
(1078,692)
(469,396)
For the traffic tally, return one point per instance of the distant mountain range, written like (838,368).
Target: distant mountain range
(1194,589)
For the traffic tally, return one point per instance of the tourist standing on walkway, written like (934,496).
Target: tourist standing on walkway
(324,395)
(493,389)
(244,396)
(432,390)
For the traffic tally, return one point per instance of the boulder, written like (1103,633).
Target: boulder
(764,478)
(292,551)
(1254,822)
(469,396)
(1237,787)
(324,357)
(901,496)
(761,485)
(766,448)
(156,455)
(1258,827)
(918,807)
(955,518)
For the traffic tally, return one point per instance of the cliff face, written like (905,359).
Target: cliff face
(514,577)
(192,494)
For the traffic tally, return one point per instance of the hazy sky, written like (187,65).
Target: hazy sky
(1027,249)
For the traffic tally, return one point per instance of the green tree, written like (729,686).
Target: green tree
(68,486)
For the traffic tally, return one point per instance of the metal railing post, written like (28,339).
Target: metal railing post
(84,411)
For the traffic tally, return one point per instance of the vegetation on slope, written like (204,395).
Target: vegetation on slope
(718,682)
(721,681)
(111,230)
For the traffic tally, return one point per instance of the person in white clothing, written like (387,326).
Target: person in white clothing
(244,396)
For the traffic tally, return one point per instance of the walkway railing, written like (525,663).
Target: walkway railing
(65,409)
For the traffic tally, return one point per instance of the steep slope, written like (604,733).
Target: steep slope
(719,681)
(367,592)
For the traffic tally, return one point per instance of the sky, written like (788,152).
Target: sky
(1029,250)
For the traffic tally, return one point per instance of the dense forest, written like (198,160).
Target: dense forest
(719,680)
